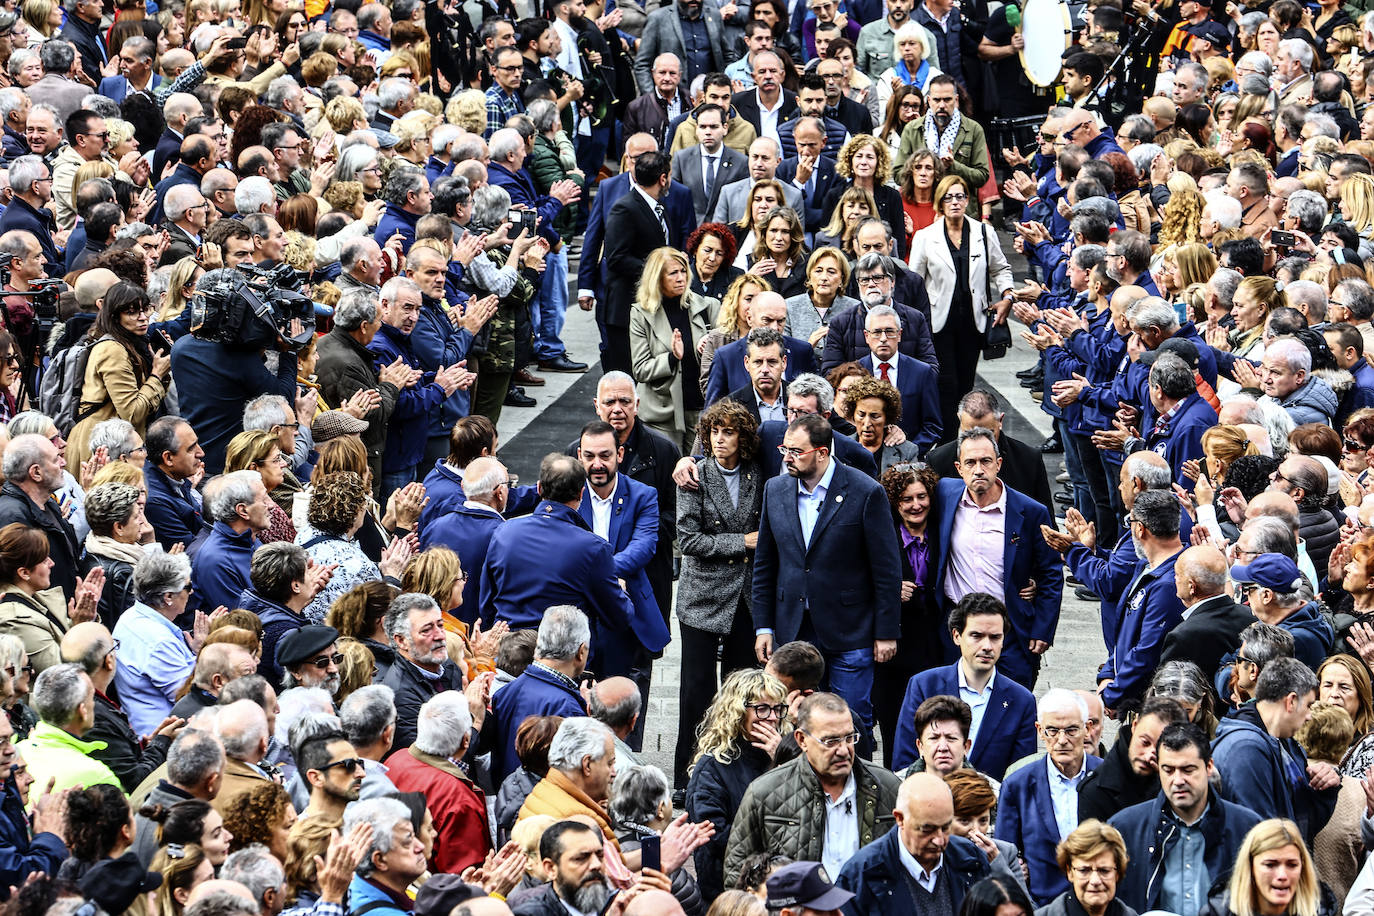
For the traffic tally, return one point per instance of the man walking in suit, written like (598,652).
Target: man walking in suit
(1212,620)
(826,568)
(915,381)
(729,371)
(710,165)
(636,225)
(689,29)
(624,513)
(989,541)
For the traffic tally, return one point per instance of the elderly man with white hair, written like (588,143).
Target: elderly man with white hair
(581,770)
(241,509)
(242,730)
(1286,378)
(1220,212)
(187,210)
(1022,817)
(255,194)
(457,805)
(394,858)
(1292,78)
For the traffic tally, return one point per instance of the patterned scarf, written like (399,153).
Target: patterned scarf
(943,143)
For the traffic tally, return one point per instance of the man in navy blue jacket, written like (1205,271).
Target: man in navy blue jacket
(221,567)
(174,457)
(466,529)
(1003,728)
(915,381)
(1347,345)
(408,198)
(728,368)
(31,182)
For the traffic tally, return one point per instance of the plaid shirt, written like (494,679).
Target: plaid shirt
(500,106)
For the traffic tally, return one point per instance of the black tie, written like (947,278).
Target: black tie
(713,163)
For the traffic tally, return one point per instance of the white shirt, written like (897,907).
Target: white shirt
(891,369)
(768,120)
(977,702)
(841,828)
(809,505)
(917,871)
(1064,796)
(655,206)
(601,513)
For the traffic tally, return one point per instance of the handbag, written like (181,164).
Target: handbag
(996,337)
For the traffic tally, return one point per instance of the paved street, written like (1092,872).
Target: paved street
(565,404)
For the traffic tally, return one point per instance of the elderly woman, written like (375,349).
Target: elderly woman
(1273,876)
(974,804)
(120,441)
(31,607)
(156,656)
(124,377)
(712,250)
(732,321)
(718,526)
(866,163)
(876,405)
(24,67)
(910,63)
(780,251)
(361,163)
(827,275)
(666,324)
(412,130)
(962,263)
(259,450)
(552,161)
(1337,848)
(735,742)
(115,513)
(1093,858)
(338,505)
(641,806)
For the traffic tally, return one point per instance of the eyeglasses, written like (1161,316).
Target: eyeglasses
(351,765)
(510,69)
(103,135)
(13,359)
(1350,445)
(1083,872)
(1248,661)
(324,661)
(786,452)
(833,741)
(950,198)
(404,74)
(884,334)
(876,279)
(768,710)
(1048,138)
(1052,732)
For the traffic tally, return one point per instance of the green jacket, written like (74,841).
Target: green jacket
(971,161)
(545,168)
(51,752)
(783,813)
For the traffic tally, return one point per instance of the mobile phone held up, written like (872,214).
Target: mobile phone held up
(522,220)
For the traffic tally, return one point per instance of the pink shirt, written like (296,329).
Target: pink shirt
(975,548)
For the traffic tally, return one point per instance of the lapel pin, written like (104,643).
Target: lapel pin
(840,498)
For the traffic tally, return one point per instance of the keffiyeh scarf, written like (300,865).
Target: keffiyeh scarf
(941,143)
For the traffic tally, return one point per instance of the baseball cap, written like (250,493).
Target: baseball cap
(805,884)
(1184,349)
(1269,570)
(1213,32)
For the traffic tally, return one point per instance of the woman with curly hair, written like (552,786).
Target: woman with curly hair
(717,528)
(735,742)
(181,868)
(919,178)
(262,814)
(854,206)
(345,114)
(732,321)
(808,313)
(115,513)
(780,251)
(468,109)
(358,614)
(1181,221)
(258,450)
(248,130)
(876,405)
(100,825)
(711,251)
(338,506)
(866,162)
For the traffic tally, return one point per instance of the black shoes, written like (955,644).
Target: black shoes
(516,397)
(1052,446)
(561,364)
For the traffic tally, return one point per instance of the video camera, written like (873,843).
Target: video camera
(252,308)
(43,295)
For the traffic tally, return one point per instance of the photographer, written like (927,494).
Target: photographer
(31,183)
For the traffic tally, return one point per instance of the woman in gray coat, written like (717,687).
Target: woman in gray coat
(718,528)
(808,313)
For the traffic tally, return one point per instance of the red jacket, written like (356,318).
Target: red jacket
(458,807)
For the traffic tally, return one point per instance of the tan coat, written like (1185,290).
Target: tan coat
(658,374)
(40,621)
(112,383)
(239,778)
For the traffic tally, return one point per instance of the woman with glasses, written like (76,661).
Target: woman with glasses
(904,105)
(361,164)
(808,313)
(115,513)
(338,508)
(1356,477)
(124,377)
(414,145)
(962,262)
(735,742)
(10,361)
(258,450)
(19,674)
(1093,858)
(718,527)
(290,24)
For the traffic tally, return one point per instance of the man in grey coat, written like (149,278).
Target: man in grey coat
(686,28)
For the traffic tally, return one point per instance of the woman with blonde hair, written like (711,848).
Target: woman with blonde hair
(732,320)
(526,834)
(181,868)
(1196,263)
(1273,849)
(666,324)
(1181,222)
(186,273)
(866,162)
(910,63)
(1357,205)
(412,129)
(854,206)
(43,18)
(780,251)
(735,742)
(345,114)
(1254,300)
(827,277)
(762,199)
(468,109)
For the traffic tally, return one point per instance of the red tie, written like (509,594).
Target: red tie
(882,371)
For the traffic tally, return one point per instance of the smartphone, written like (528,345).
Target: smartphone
(650,853)
(522,219)
(236,44)
(1283,239)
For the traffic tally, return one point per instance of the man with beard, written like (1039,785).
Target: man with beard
(309,657)
(333,770)
(573,855)
(422,668)
(873,50)
(945,131)
(458,807)
(876,277)
(1129,774)
(624,512)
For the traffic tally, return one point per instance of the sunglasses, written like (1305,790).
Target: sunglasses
(351,765)
(324,660)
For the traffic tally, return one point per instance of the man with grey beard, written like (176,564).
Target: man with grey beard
(310,657)
(572,855)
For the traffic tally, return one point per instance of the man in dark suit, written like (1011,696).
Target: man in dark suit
(989,541)
(466,529)
(768,104)
(185,208)
(179,108)
(765,359)
(845,340)
(709,165)
(811,104)
(729,371)
(1023,467)
(838,106)
(826,568)
(810,172)
(591,268)
(873,236)
(635,226)
(916,382)
(1003,729)
(551,557)
(1212,620)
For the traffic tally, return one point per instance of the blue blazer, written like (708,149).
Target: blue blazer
(1006,735)
(591,268)
(1025,818)
(729,374)
(552,557)
(919,386)
(1025,556)
(171,508)
(849,452)
(1182,441)
(116,88)
(534,693)
(848,582)
(444,494)
(634,538)
(467,532)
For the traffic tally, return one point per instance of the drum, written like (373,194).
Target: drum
(1048,32)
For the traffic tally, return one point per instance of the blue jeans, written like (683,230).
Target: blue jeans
(849,674)
(550,305)
(394,480)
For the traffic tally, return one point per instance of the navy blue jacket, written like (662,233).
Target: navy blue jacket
(168,148)
(845,339)
(1025,818)
(847,451)
(220,567)
(848,581)
(20,215)
(1007,732)
(171,508)
(14,145)
(408,430)
(825,177)
(520,186)
(1181,440)
(1146,832)
(396,219)
(1360,394)
(536,692)
(881,885)
(116,88)
(728,372)
(437,341)
(591,268)
(182,174)
(21,854)
(215,383)
(919,386)
(1025,556)
(1149,608)
(547,558)
(277,621)
(444,494)
(467,532)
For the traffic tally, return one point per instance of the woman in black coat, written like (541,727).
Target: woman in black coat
(866,162)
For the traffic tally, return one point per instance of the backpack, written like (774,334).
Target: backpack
(59,395)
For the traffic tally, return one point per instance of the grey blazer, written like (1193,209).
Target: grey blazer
(663,35)
(716,568)
(688,166)
(802,320)
(732,197)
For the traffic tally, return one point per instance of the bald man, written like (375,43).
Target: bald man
(616,703)
(649,903)
(945,864)
(222,886)
(1081,125)
(1281,506)
(1212,620)
(492,906)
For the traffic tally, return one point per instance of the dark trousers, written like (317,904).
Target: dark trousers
(698,682)
(958,347)
(615,348)
(1100,486)
(490,394)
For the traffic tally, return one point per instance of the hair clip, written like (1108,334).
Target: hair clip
(176,851)
(1278,286)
